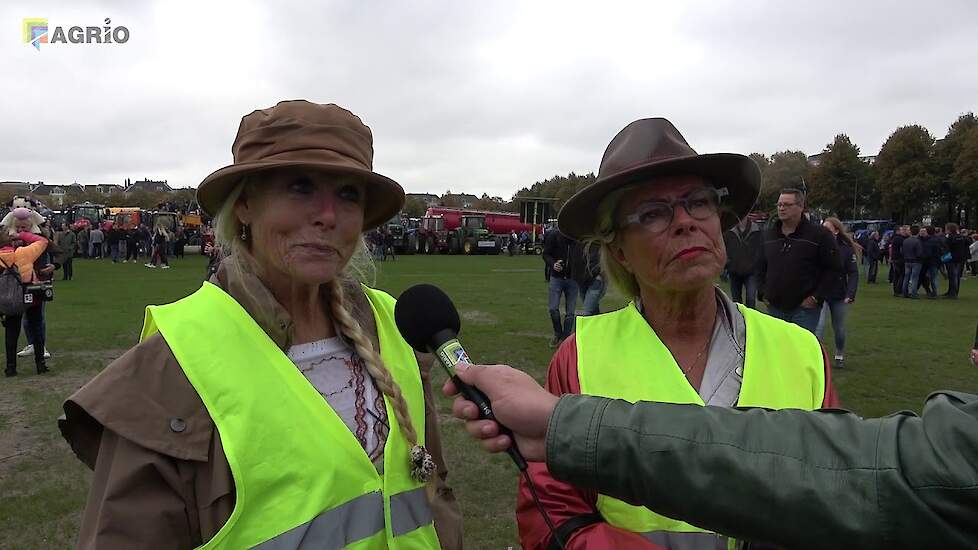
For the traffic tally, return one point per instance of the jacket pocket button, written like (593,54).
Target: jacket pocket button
(178,425)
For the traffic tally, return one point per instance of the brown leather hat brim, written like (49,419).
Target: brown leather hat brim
(739,174)
(385,197)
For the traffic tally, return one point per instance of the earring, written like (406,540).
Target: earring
(244,232)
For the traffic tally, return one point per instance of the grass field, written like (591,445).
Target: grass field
(899,351)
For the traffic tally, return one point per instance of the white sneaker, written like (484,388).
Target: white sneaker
(47,354)
(166,267)
(151,266)
(28,350)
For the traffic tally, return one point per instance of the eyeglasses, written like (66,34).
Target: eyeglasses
(786,204)
(657,216)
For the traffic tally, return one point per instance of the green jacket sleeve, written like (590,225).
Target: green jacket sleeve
(825,479)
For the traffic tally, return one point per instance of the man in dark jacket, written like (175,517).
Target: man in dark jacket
(743,243)
(565,259)
(872,254)
(958,247)
(798,260)
(113,239)
(913,255)
(897,265)
(934,248)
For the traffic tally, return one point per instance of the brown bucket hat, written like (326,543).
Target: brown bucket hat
(653,147)
(308,135)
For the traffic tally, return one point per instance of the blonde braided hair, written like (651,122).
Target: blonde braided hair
(422,463)
(360,268)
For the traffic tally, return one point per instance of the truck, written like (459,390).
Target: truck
(85,215)
(169,220)
(404,233)
(459,230)
(126,217)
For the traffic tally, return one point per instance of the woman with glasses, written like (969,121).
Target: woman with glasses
(657,211)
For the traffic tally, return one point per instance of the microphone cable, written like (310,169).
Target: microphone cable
(554,536)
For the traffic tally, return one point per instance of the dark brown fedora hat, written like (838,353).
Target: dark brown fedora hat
(650,148)
(298,133)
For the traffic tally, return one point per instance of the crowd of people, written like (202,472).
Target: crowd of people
(920,256)
(37,251)
(156,245)
(808,273)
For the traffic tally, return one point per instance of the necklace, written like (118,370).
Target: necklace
(696,361)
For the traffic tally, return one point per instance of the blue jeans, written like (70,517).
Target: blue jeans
(567,288)
(804,317)
(911,280)
(839,309)
(592,294)
(114,252)
(738,283)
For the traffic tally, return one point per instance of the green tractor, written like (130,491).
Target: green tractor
(472,237)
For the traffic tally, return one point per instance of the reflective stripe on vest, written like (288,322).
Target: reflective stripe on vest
(301,478)
(620,356)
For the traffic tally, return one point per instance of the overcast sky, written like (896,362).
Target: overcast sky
(484,96)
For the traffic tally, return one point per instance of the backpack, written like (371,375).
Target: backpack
(11,291)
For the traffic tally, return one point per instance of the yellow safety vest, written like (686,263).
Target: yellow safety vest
(620,356)
(300,476)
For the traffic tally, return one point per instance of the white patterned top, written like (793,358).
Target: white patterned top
(340,376)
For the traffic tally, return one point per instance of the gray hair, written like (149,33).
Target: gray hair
(605,236)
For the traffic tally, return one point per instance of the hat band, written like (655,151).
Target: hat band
(288,139)
(324,157)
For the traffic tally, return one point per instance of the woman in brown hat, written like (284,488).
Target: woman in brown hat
(277,406)
(659,221)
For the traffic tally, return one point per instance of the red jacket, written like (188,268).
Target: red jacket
(562,501)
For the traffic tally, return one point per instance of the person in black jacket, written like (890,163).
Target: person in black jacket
(797,263)
(958,247)
(913,255)
(897,265)
(873,253)
(933,250)
(842,290)
(563,256)
(743,243)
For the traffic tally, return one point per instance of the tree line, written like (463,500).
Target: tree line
(914,176)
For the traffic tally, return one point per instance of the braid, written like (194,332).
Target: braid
(350,327)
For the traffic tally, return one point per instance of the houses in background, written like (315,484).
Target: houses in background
(56,195)
(427,199)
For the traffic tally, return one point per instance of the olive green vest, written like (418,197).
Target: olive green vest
(301,477)
(620,356)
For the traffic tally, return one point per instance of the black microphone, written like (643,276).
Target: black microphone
(429,322)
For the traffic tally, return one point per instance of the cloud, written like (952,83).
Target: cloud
(475,96)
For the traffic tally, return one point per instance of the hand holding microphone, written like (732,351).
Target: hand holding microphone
(429,322)
(519,403)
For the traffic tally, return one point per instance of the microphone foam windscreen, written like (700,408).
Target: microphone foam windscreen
(421,312)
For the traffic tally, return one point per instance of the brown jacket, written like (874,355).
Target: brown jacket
(161,477)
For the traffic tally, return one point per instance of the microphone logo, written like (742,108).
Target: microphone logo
(452,353)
